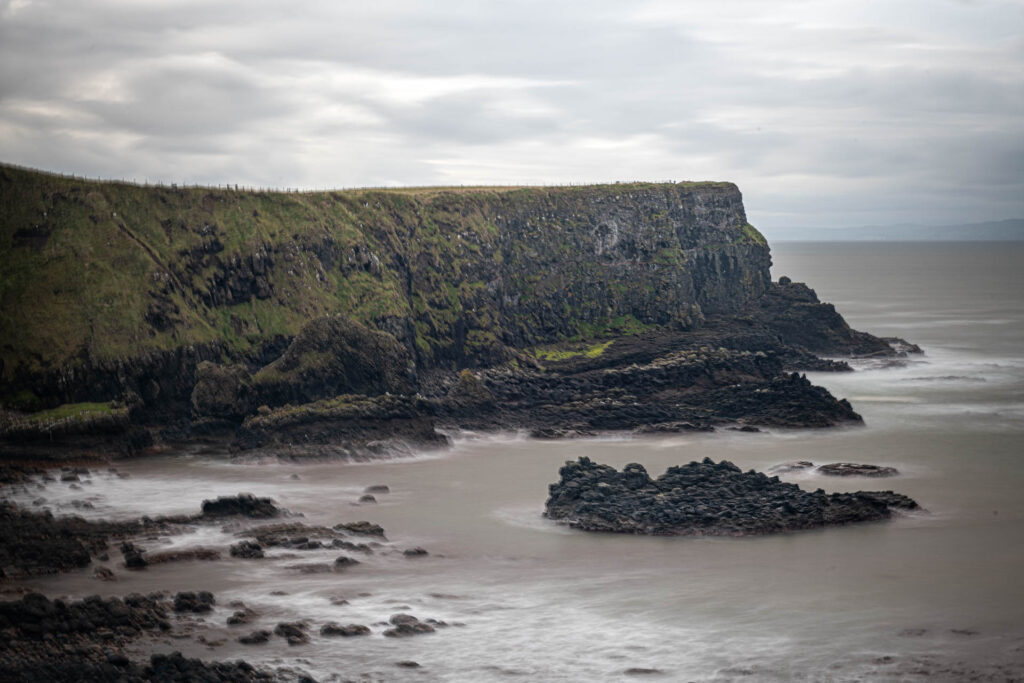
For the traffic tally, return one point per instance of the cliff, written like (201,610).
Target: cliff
(336,319)
(103,277)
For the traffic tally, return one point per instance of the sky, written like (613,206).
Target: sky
(826,113)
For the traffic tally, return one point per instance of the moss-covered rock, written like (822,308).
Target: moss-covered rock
(222,391)
(332,356)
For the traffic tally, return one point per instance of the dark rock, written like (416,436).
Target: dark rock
(242,616)
(849,469)
(255,638)
(407,625)
(293,632)
(198,603)
(247,549)
(415,552)
(133,558)
(244,504)
(377,488)
(642,671)
(794,466)
(222,391)
(348,545)
(344,562)
(367,498)
(104,574)
(408,664)
(333,629)
(705,498)
(363,528)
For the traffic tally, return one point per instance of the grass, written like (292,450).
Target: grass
(107,271)
(555,353)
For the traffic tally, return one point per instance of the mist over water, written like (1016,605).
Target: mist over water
(938,591)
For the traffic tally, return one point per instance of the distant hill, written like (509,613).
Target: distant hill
(1011,230)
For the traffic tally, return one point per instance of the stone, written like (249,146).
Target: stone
(348,631)
(849,469)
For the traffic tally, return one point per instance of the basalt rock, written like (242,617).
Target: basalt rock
(244,504)
(849,469)
(703,499)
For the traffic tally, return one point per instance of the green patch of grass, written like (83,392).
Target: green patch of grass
(557,353)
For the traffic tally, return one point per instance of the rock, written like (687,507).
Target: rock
(247,549)
(244,504)
(406,625)
(849,469)
(344,562)
(705,498)
(408,664)
(104,574)
(642,671)
(133,558)
(367,498)
(794,466)
(255,638)
(242,616)
(348,545)
(415,552)
(333,629)
(197,603)
(222,391)
(364,528)
(293,632)
(377,488)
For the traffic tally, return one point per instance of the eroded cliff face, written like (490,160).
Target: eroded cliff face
(112,289)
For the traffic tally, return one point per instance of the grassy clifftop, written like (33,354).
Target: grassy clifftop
(103,272)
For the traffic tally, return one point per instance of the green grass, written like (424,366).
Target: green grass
(555,353)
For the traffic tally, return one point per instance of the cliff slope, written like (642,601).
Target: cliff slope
(102,277)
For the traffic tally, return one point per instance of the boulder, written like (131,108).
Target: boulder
(849,469)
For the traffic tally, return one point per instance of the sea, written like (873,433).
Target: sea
(933,595)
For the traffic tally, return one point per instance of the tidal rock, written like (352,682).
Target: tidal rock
(293,632)
(704,498)
(415,552)
(255,638)
(247,550)
(363,528)
(244,504)
(344,562)
(377,488)
(794,466)
(133,558)
(849,469)
(407,625)
(198,603)
(333,629)
(367,498)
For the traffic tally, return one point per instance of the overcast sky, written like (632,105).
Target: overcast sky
(825,112)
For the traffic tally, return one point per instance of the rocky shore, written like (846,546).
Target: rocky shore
(703,499)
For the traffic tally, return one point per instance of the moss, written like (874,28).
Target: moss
(558,353)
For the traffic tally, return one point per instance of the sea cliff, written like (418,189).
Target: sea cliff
(192,308)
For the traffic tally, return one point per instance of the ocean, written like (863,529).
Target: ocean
(932,595)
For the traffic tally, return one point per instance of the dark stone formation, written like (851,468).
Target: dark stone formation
(255,638)
(244,504)
(703,499)
(293,632)
(333,356)
(361,527)
(415,552)
(333,629)
(222,391)
(344,562)
(377,488)
(133,558)
(849,469)
(407,625)
(367,498)
(198,603)
(247,549)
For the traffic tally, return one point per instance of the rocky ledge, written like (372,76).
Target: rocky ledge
(703,499)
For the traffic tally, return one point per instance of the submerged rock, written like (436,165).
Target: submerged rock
(244,504)
(333,629)
(705,498)
(407,625)
(849,469)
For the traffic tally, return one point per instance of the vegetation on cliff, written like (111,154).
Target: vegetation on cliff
(105,273)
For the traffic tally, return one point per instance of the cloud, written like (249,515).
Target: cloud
(827,112)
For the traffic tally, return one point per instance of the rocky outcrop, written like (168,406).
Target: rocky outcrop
(333,356)
(849,469)
(703,499)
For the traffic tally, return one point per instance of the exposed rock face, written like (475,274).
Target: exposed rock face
(333,356)
(703,499)
(244,504)
(222,391)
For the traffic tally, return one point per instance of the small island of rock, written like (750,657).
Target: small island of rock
(703,499)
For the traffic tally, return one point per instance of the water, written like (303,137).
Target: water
(929,596)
